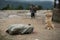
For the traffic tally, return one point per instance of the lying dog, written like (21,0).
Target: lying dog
(20,29)
(48,20)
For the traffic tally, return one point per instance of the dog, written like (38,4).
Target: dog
(20,29)
(48,20)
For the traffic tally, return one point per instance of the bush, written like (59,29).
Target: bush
(20,7)
(6,7)
(40,7)
(27,8)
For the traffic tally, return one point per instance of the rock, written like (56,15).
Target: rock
(20,29)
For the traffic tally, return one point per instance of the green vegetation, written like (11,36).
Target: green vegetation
(10,7)
(27,8)
(7,7)
(20,7)
(40,7)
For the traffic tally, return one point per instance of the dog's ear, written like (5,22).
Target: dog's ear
(29,24)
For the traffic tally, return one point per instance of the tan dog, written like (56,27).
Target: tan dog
(48,20)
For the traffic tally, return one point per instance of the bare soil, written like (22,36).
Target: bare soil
(39,33)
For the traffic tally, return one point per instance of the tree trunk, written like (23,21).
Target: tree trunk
(56,13)
(54,3)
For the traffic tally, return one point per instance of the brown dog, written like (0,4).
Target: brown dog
(48,20)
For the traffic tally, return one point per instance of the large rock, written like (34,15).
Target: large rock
(20,29)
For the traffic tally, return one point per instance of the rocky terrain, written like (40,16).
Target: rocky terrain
(8,17)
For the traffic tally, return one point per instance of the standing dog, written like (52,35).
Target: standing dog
(48,20)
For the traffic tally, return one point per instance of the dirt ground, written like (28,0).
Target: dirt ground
(40,33)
